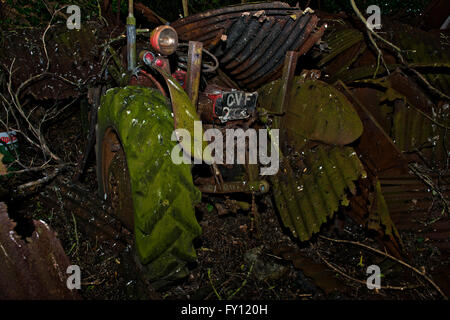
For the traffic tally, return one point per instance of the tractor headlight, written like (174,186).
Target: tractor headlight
(164,40)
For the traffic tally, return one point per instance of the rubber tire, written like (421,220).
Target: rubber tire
(163,193)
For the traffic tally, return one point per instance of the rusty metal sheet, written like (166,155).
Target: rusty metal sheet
(34,268)
(414,123)
(418,124)
(214,16)
(306,198)
(409,201)
(428,52)
(406,193)
(251,40)
(407,198)
(412,92)
(348,58)
(381,155)
(412,132)
(338,41)
(315,111)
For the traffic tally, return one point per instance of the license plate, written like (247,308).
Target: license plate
(235,105)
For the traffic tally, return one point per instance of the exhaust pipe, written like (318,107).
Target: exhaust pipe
(131,37)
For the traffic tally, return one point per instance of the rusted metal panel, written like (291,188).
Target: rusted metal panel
(409,201)
(290,63)
(313,179)
(218,15)
(412,131)
(338,41)
(315,111)
(407,198)
(251,40)
(412,92)
(381,156)
(413,122)
(34,268)
(406,193)
(427,52)
(306,198)
(194,70)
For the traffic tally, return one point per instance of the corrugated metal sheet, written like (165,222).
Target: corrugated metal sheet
(378,152)
(424,49)
(410,200)
(209,24)
(413,131)
(306,198)
(339,41)
(251,40)
(411,120)
(314,178)
(349,59)
(32,269)
(315,111)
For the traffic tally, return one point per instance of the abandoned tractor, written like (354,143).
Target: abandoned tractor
(153,194)
(154,134)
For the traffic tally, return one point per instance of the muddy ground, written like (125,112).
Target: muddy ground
(234,261)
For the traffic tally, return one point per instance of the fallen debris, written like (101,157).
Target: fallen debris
(32,268)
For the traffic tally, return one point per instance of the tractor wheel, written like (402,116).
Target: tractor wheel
(149,193)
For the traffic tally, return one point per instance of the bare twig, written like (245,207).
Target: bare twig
(380,56)
(429,182)
(14,106)
(422,273)
(43,180)
(212,285)
(35,169)
(35,130)
(397,50)
(361,17)
(342,273)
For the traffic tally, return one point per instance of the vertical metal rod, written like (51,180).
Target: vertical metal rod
(194,70)
(290,63)
(131,37)
(185,8)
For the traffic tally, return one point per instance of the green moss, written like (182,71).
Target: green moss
(316,111)
(163,192)
(306,200)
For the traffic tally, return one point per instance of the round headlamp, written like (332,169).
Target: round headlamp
(164,40)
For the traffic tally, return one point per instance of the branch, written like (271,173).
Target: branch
(342,273)
(43,180)
(422,273)
(397,50)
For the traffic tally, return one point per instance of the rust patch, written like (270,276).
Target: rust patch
(34,268)
(251,40)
